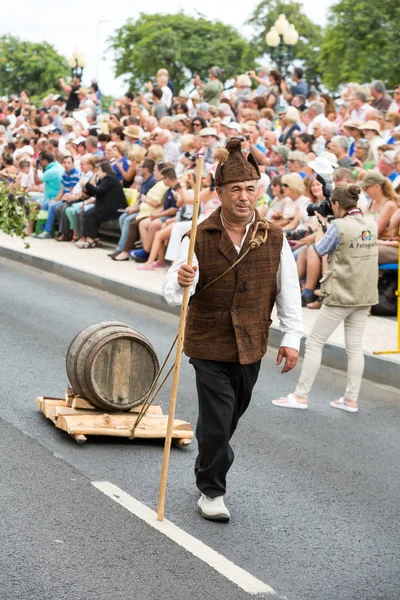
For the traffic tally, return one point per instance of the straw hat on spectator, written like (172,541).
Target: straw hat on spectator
(294,181)
(208,131)
(69,122)
(132,131)
(371,126)
(82,91)
(298,156)
(356,124)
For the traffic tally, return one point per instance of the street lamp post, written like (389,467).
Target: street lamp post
(77,63)
(281,39)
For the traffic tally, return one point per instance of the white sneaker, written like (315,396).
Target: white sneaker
(213,509)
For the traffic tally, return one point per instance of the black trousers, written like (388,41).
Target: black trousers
(224,392)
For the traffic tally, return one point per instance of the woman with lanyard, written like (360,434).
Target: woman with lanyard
(349,288)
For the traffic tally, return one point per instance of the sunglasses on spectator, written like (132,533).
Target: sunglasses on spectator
(285,185)
(196,124)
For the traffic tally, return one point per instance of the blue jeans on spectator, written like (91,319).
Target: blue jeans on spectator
(124,222)
(51,217)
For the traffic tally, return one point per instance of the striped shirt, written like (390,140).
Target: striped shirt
(69,180)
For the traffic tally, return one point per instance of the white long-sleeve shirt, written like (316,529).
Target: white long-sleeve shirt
(288,299)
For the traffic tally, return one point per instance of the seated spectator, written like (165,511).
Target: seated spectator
(25,178)
(297,161)
(156,153)
(290,124)
(148,204)
(387,166)
(388,250)
(279,199)
(184,202)
(51,176)
(110,198)
(383,200)
(209,202)
(69,180)
(197,124)
(149,227)
(372,131)
(72,205)
(362,157)
(380,99)
(8,171)
(392,128)
(294,211)
(131,212)
(170,149)
(210,142)
(339,146)
(304,143)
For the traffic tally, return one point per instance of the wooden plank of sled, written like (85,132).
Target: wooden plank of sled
(120,425)
(80,403)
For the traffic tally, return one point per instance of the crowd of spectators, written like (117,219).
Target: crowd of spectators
(135,162)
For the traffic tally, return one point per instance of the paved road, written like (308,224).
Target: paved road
(314,497)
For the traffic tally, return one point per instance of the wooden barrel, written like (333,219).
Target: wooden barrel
(112,365)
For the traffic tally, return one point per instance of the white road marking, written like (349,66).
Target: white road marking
(222,565)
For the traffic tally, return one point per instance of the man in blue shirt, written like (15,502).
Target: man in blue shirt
(300,87)
(69,180)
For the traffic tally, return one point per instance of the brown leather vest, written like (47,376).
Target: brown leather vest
(229,321)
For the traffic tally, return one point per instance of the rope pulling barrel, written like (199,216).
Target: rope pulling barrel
(258,237)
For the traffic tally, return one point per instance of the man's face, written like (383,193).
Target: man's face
(209,140)
(294,166)
(317,130)
(68,164)
(238,200)
(276,159)
(369,134)
(335,149)
(328,135)
(385,168)
(269,139)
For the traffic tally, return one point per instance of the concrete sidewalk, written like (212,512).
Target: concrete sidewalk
(94,268)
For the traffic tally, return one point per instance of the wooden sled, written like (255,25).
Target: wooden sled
(80,419)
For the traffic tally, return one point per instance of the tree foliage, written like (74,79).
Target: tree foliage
(28,65)
(310,34)
(361,42)
(13,217)
(183,44)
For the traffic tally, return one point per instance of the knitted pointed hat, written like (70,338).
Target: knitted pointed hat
(236,167)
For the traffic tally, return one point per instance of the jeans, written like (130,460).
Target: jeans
(51,217)
(328,319)
(124,222)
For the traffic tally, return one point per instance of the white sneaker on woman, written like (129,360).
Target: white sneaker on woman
(213,509)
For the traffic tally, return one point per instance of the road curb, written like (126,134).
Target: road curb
(378,369)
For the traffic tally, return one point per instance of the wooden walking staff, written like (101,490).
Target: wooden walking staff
(179,348)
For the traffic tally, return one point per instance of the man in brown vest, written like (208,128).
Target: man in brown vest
(243,265)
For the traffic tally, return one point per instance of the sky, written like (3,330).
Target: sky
(88,23)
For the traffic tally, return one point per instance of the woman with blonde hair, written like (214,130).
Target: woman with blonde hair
(290,124)
(155,152)
(384,200)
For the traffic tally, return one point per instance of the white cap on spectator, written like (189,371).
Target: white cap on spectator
(233,125)
(331,157)
(321,166)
